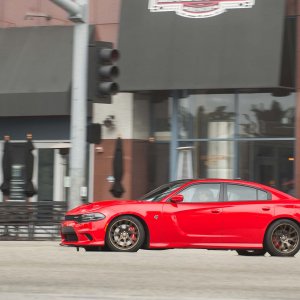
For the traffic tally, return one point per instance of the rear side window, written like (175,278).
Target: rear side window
(244,193)
(261,195)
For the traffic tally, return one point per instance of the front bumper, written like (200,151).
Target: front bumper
(83,234)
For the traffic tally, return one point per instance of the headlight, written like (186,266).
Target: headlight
(92,217)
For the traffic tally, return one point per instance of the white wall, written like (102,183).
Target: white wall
(122,110)
(131,117)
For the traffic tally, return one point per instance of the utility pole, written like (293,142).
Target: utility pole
(78,13)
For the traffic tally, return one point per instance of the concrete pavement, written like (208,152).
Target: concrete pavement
(44,270)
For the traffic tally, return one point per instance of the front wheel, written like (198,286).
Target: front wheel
(256,252)
(282,238)
(125,234)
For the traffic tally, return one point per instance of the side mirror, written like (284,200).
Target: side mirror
(177,199)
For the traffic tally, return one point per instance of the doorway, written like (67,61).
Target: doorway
(51,170)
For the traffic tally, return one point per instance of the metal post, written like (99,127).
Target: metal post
(78,11)
(236,162)
(174,136)
(71,7)
(78,113)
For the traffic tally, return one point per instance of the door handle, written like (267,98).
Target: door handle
(266,208)
(216,210)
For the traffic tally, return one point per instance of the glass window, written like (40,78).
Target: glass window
(240,193)
(160,107)
(268,162)
(263,115)
(212,159)
(45,174)
(159,148)
(163,191)
(261,195)
(206,116)
(246,125)
(245,193)
(158,164)
(201,193)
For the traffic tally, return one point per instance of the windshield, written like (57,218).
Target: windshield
(163,191)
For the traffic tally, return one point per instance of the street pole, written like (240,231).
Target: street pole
(78,11)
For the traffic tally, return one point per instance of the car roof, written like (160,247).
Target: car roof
(242,182)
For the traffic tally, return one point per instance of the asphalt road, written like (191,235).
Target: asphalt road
(44,270)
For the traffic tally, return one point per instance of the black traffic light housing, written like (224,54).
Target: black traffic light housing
(94,133)
(102,72)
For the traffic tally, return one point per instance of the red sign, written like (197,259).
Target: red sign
(198,8)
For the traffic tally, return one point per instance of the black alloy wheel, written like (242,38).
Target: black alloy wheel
(125,234)
(282,238)
(254,252)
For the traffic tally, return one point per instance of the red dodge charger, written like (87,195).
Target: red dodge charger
(248,217)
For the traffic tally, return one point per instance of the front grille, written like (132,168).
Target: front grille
(71,237)
(69,234)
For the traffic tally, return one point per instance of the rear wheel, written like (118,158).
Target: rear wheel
(125,234)
(282,238)
(256,252)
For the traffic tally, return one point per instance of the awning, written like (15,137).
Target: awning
(240,49)
(35,70)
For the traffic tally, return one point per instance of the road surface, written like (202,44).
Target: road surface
(44,270)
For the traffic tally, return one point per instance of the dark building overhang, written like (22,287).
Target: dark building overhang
(242,49)
(35,71)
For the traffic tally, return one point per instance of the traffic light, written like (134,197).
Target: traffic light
(102,72)
(94,133)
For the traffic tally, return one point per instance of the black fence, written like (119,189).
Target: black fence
(31,221)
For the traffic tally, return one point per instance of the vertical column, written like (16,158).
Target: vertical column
(79,110)
(174,136)
(235,159)
(297,125)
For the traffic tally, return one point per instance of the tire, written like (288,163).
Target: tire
(283,238)
(125,234)
(256,252)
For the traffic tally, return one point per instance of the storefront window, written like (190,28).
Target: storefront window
(159,146)
(212,159)
(247,136)
(262,115)
(268,162)
(158,164)
(45,174)
(206,116)
(161,117)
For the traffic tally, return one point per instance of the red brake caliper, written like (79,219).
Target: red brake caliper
(132,236)
(276,243)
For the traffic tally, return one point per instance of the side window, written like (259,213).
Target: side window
(209,192)
(261,195)
(244,193)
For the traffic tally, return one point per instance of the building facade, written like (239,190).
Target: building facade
(208,97)
(36,64)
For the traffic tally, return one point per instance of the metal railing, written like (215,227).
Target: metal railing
(31,221)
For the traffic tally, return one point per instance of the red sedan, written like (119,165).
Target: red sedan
(248,217)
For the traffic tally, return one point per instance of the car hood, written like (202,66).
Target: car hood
(96,206)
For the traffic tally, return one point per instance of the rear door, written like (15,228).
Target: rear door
(247,211)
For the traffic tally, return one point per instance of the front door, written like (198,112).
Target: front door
(196,221)
(50,172)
